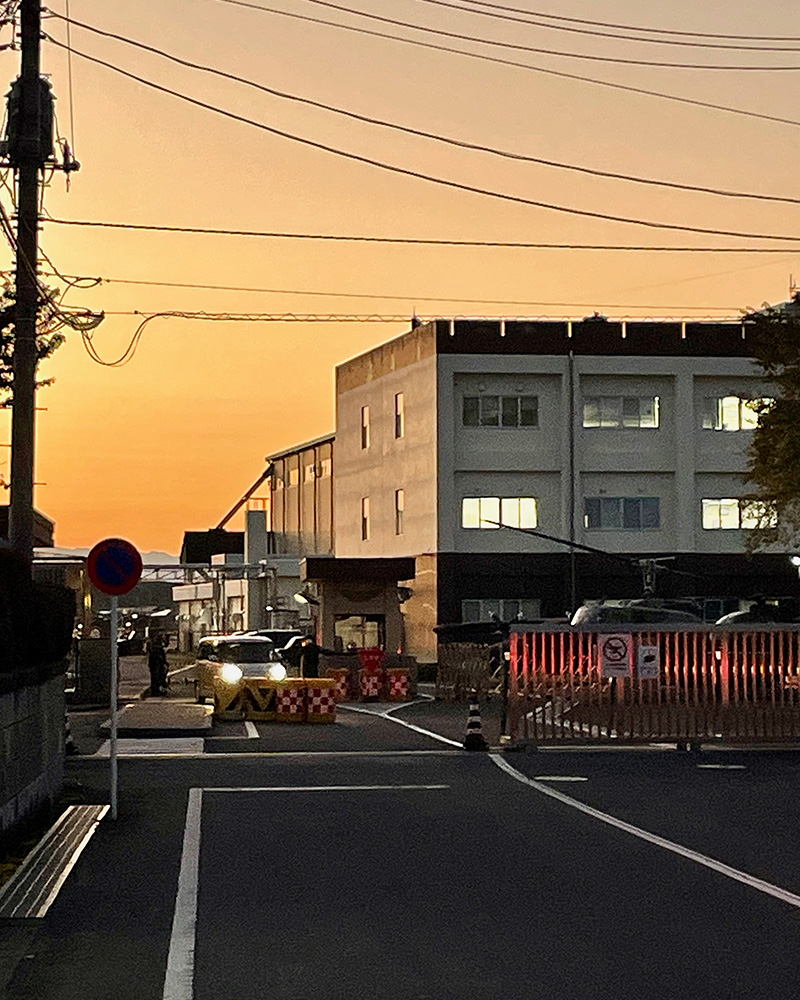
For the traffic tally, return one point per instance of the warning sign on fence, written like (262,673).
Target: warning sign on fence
(615,655)
(648,662)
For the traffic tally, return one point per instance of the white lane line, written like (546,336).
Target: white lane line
(250,728)
(325,788)
(722,767)
(78,762)
(179,980)
(668,845)
(558,777)
(141,746)
(44,906)
(402,722)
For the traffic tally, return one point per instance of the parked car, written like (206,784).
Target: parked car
(636,612)
(231,657)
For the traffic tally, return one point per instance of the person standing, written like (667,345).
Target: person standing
(157,665)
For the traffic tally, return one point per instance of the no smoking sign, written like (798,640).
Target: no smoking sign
(615,655)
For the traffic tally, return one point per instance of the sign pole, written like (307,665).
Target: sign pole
(114,666)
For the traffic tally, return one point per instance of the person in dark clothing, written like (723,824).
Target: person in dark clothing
(157,665)
(309,658)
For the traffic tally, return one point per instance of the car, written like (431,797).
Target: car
(231,657)
(280,636)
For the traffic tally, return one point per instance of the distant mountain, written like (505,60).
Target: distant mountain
(148,558)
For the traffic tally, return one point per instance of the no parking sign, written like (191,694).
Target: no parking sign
(615,655)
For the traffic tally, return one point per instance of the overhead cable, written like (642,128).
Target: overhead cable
(74,279)
(694,44)
(430,178)
(635,27)
(448,140)
(580,56)
(497,60)
(406,240)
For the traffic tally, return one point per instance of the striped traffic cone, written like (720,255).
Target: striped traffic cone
(475,739)
(69,744)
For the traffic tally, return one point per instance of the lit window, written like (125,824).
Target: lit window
(500,411)
(365,427)
(294,475)
(399,415)
(622,513)
(732,413)
(729,514)
(325,468)
(310,473)
(399,509)
(492,512)
(621,411)
(365,519)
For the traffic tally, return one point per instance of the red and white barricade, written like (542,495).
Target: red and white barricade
(371,684)
(341,678)
(291,702)
(398,684)
(321,700)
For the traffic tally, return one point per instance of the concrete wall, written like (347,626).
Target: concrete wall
(32,743)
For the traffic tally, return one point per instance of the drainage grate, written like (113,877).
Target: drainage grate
(36,883)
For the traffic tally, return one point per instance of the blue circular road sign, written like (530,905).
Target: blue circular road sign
(114,566)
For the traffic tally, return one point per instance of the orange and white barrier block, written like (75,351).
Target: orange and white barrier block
(321,700)
(341,678)
(398,684)
(371,685)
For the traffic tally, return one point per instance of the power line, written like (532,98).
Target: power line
(74,279)
(439,181)
(406,240)
(636,27)
(497,60)
(584,57)
(604,34)
(461,144)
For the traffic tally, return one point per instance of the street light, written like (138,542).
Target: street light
(795,561)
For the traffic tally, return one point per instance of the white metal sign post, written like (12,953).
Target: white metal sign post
(114,567)
(615,655)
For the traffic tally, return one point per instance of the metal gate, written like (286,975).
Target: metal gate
(634,684)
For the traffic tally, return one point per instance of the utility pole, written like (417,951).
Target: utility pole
(30,116)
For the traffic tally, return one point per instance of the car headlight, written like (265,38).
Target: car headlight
(276,672)
(230,673)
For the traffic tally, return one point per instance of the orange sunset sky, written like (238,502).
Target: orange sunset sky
(168,442)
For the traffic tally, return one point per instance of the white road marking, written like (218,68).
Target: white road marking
(722,767)
(324,788)
(45,905)
(668,845)
(170,745)
(179,980)
(250,728)
(558,777)
(233,755)
(401,722)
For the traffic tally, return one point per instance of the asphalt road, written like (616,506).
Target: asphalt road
(486,887)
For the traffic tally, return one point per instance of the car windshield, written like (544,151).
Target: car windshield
(245,652)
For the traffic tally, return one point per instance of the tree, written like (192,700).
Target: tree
(48,340)
(774,454)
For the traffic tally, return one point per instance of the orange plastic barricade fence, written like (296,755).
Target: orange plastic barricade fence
(398,684)
(291,702)
(341,675)
(688,684)
(228,699)
(371,683)
(321,700)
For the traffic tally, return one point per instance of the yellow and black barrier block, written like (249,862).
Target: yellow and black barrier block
(259,699)
(228,703)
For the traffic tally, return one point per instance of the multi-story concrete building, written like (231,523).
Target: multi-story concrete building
(630,438)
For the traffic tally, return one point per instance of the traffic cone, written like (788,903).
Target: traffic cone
(475,739)
(69,744)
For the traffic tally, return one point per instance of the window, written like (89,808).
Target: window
(399,415)
(399,508)
(727,514)
(277,483)
(294,475)
(621,411)
(365,519)
(521,609)
(731,413)
(325,468)
(310,473)
(622,513)
(500,411)
(491,512)
(365,427)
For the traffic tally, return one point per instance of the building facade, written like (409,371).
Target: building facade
(627,438)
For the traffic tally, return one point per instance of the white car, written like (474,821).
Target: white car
(231,657)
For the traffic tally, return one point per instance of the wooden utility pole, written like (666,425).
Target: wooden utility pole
(27,153)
